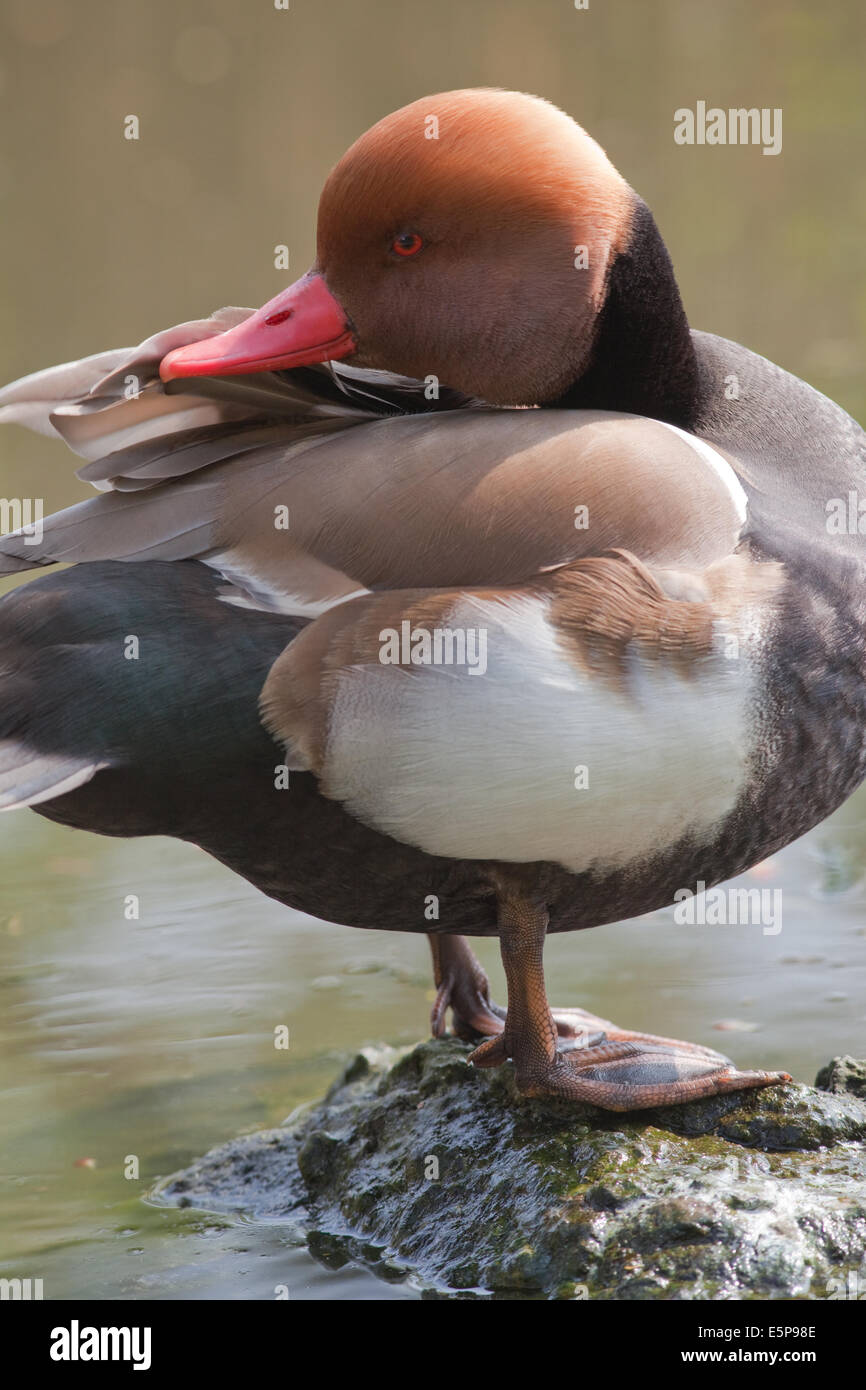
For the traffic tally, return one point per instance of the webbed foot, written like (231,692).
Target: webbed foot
(595,1062)
(619,1070)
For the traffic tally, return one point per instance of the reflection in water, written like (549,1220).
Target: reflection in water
(154,1037)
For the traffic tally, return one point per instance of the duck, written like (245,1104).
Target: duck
(172,743)
(563,629)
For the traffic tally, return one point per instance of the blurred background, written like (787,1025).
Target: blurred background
(154,1038)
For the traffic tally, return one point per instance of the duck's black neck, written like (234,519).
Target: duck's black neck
(643,360)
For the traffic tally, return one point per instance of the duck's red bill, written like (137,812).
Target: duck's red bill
(304,324)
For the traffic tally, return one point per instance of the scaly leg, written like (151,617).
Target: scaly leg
(606,1066)
(462,985)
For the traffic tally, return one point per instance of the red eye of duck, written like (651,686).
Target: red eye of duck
(407,244)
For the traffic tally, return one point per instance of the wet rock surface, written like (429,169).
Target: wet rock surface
(844,1074)
(415,1164)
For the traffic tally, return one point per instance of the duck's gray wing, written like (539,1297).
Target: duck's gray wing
(135,431)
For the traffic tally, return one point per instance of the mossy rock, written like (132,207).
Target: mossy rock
(417,1164)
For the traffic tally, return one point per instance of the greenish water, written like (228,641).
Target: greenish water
(155,1038)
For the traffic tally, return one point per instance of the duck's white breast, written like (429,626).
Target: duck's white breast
(540,758)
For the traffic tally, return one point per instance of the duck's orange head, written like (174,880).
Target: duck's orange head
(468,236)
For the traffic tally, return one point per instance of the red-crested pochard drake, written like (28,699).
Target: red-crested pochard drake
(542,668)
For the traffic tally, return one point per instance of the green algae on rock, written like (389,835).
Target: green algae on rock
(418,1165)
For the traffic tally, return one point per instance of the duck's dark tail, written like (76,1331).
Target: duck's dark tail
(111,672)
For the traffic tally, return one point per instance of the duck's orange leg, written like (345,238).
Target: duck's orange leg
(462,986)
(603,1065)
